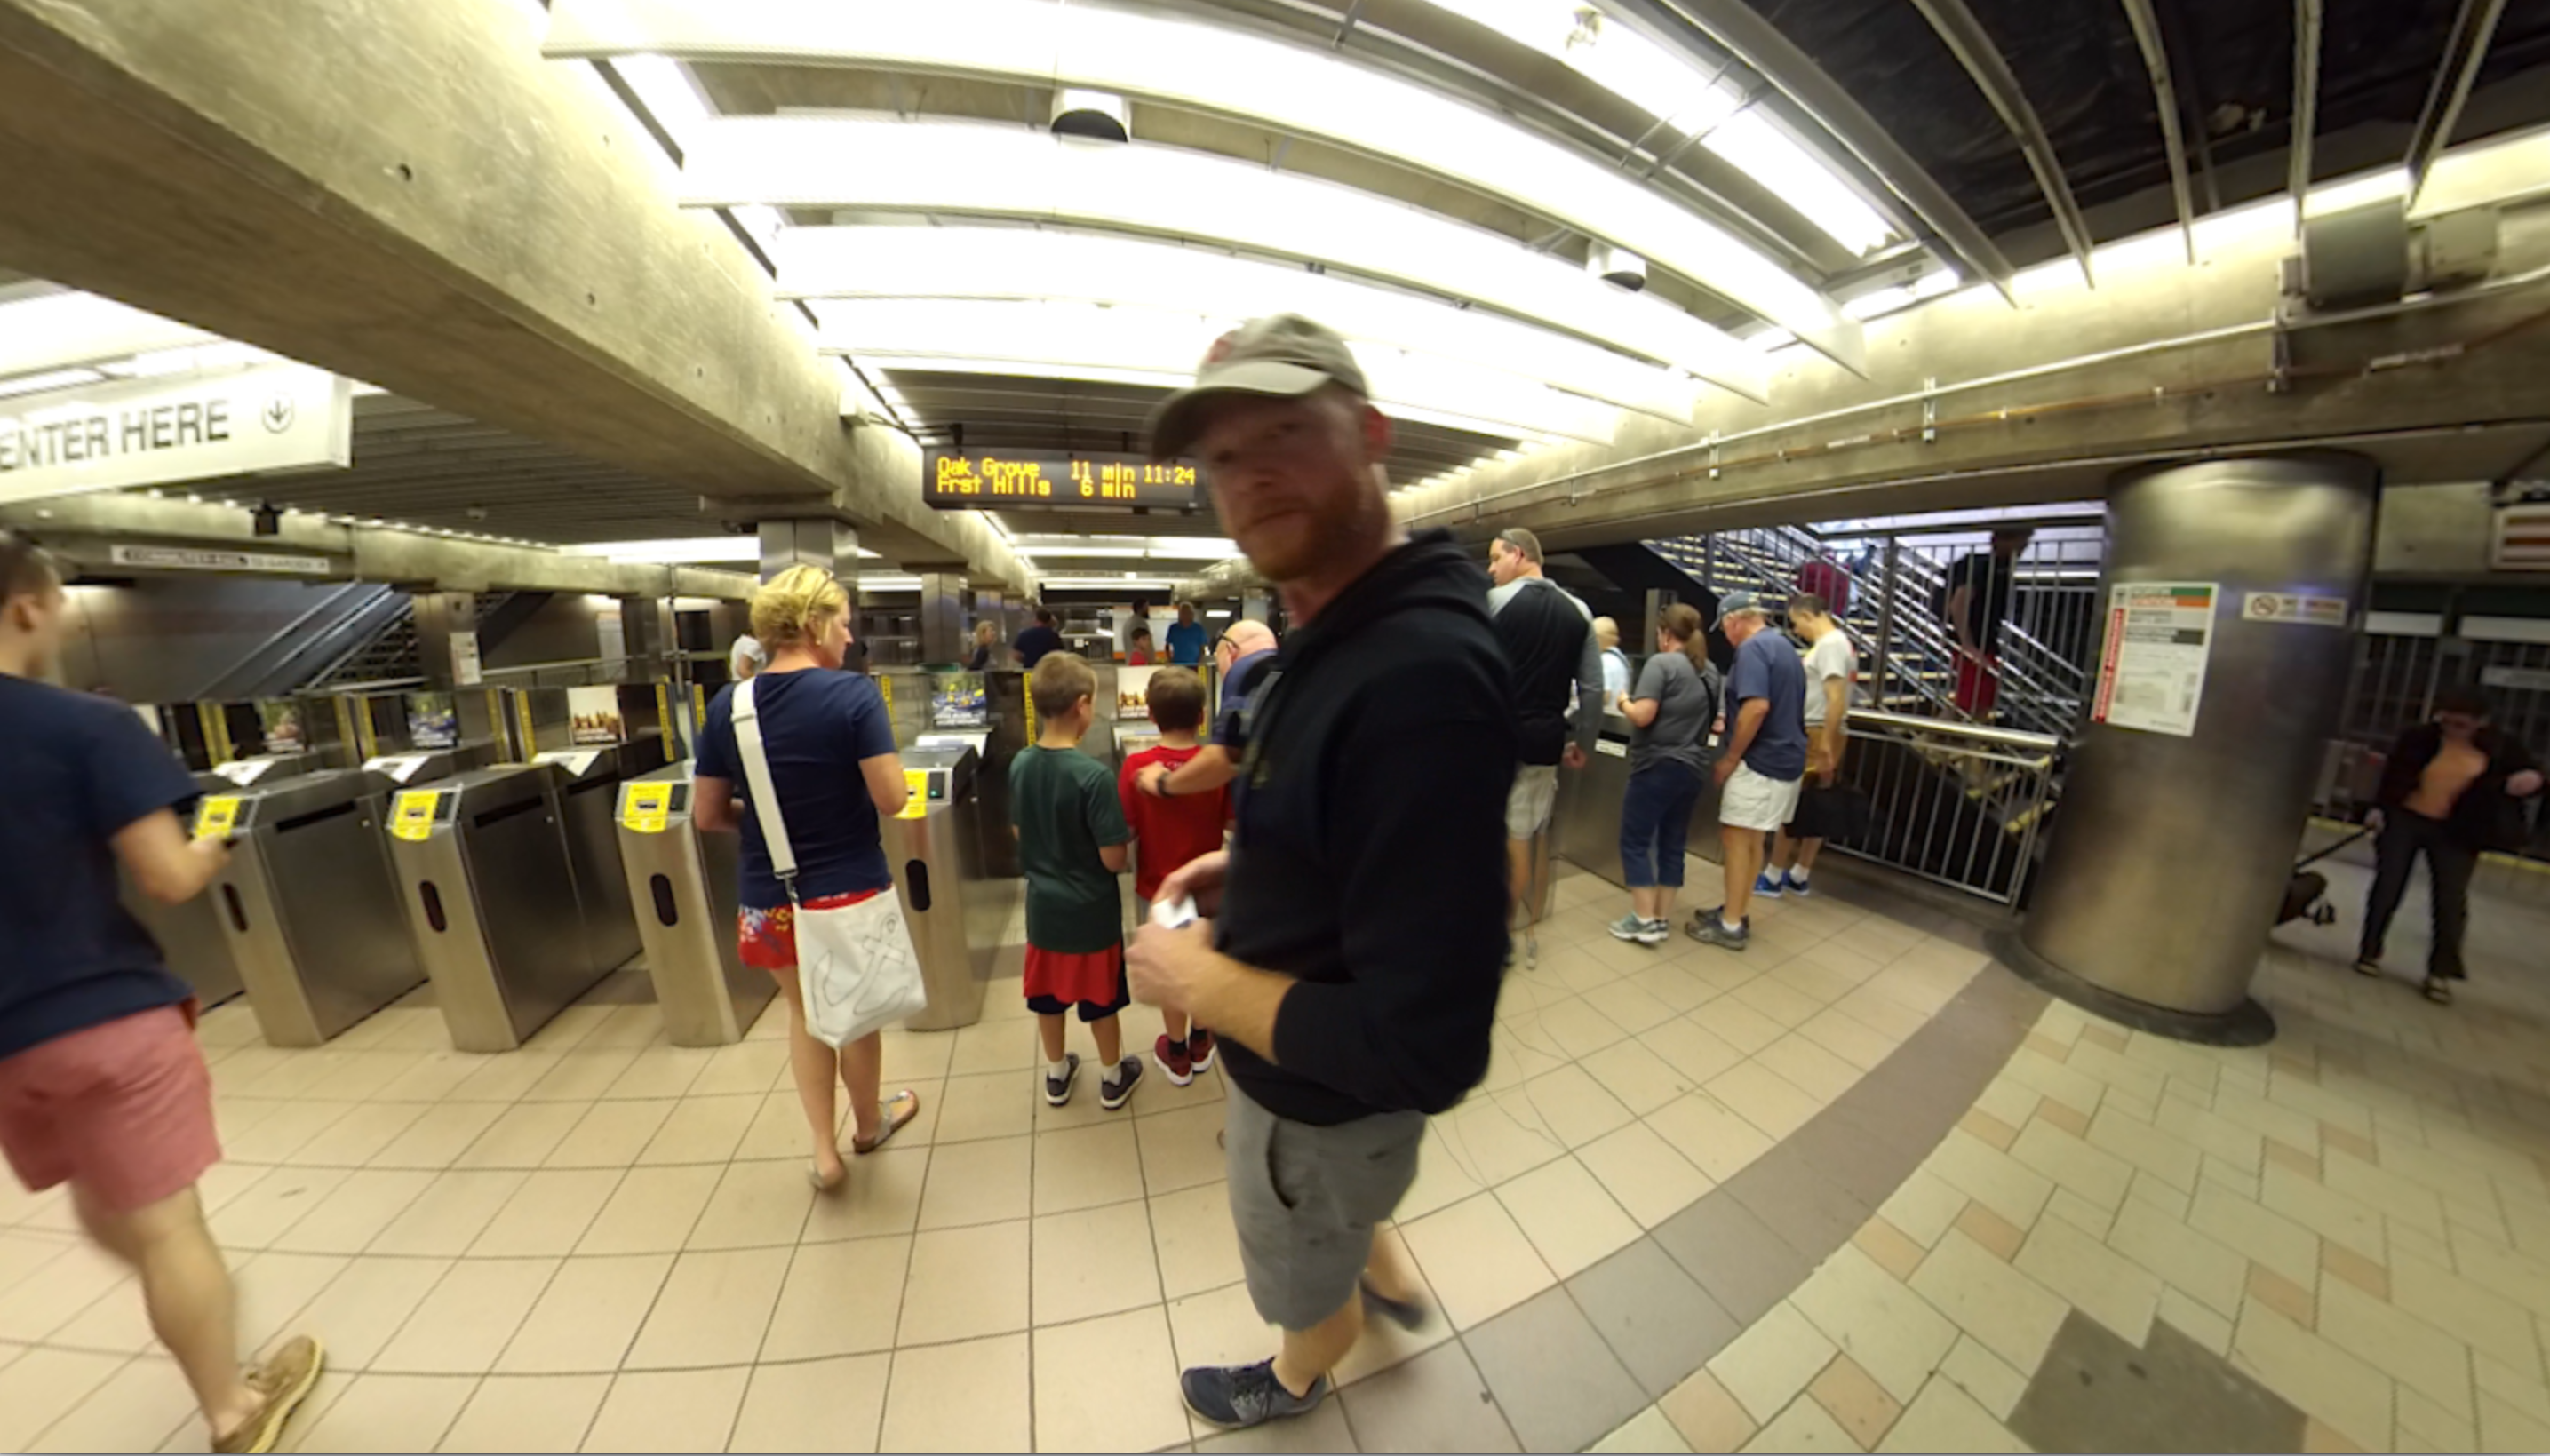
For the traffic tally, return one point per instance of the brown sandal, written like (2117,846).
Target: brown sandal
(898,1110)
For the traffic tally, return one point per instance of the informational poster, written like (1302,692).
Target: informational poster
(433,721)
(2160,638)
(593,715)
(465,669)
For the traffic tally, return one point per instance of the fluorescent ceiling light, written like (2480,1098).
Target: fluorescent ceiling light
(1687,99)
(1134,548)
(1880,301)
(989,263)
(1065,338)
(51,379)
(962,168)
(61,329)
(681,548)
(1200,66)
(189,359)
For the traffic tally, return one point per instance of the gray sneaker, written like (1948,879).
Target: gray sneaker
(1242,1396)
(1708,927)
(1655,932)
(1631,928)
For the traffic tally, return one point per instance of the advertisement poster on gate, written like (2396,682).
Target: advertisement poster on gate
(2160,641)
(593,717)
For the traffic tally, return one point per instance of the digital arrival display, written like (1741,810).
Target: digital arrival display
(977,480)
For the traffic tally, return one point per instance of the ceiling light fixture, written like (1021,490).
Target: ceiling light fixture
(1056,266)
(1193,65)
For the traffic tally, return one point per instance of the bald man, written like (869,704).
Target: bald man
(1248,646)
(1616,663)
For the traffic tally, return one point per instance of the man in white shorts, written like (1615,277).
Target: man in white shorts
(1765,758)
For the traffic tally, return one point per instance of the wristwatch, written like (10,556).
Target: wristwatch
(1160,785)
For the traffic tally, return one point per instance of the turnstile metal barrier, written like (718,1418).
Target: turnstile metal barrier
(490,902)
(588,790)
(684,882)
(308,908)
(959,911)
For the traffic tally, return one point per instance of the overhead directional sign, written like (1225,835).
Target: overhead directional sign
(161,431)
(991,480)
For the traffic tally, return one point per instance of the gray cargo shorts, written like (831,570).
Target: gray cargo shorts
(1306,1200)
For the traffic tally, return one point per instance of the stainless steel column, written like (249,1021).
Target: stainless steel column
(943,631)
(832,546)
(2171,853)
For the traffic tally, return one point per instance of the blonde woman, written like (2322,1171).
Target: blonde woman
(833,767)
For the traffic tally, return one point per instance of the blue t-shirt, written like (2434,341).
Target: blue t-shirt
(1186,643)
(1230,726)
(1767,666)
(75,771)
(817,727)
(1036,641)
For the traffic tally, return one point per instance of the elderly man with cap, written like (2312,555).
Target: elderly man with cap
(1760,769)
(1350,961)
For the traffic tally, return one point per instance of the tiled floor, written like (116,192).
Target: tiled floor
(1843,1192)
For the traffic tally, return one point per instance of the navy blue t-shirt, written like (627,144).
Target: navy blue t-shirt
(1767,666)
(1036,641)
(815,728)
(75,771)
(1230,726)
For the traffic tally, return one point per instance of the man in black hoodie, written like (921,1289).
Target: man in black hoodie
(1353,965)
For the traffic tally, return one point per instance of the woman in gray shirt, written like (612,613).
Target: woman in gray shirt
(1669,713)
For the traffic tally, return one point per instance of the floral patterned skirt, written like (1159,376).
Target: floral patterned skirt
(768,937)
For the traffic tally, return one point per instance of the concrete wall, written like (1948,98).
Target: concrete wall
(564,630)
(163,640)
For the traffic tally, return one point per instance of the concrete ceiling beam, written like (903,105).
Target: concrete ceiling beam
(84,529)
(409,194)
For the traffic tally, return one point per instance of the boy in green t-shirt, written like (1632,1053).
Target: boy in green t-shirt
(1073,843)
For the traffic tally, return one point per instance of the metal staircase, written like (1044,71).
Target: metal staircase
(1907,651)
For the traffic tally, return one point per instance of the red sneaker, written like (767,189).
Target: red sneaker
(1200,1048)
(1173,1061)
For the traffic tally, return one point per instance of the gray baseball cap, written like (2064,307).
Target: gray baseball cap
(1734,602)
(1282,355)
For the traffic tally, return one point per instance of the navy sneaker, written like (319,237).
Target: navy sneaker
(1242,1396)
(1406,1314)
(1057,1090)
(1767,885)
(1113,1091)
(1799,887)
(1708,927)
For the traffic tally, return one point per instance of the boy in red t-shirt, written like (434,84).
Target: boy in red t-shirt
(1168,834)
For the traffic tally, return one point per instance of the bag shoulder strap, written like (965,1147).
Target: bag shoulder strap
(766,798)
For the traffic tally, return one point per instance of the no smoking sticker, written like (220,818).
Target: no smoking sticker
(2294,607)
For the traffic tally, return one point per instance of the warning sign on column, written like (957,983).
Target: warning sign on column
(2160,636)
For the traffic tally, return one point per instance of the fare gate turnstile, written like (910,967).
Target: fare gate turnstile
(588,790)
(190,932)
(308,909)
(490,902)
(957,908)
(685,884)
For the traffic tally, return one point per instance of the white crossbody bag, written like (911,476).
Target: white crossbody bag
(855,965)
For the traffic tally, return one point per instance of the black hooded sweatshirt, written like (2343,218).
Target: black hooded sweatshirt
(1369,864)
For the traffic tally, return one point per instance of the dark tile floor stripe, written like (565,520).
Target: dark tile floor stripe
(1669,1303)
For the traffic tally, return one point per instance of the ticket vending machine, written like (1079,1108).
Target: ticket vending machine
(959,912)
(307,907)
(684,882)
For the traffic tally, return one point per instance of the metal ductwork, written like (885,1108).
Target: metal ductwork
(1100,116)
